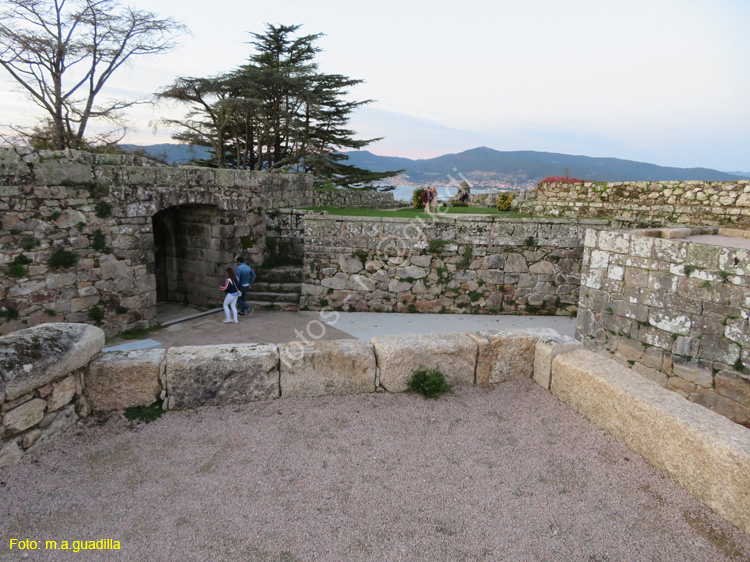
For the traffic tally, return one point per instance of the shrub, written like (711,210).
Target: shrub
(62,258)
(504,201)
(457,203)
(429,383)
(417,198)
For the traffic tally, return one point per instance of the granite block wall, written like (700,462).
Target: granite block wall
(353,198)
(675,310)
(466,264)
(98,238)
(646,203)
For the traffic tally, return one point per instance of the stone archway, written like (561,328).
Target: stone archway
(190,254)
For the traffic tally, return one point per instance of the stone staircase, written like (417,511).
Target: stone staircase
(277,288)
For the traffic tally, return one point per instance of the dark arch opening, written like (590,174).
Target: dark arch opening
(189,253)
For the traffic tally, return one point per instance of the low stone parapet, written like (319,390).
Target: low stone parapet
(702,451)
(455,355)
(120,379)
(327,367)
(221,374)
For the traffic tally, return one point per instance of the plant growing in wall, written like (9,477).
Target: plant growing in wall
(8,313)
(96,314)
(17,268)
(100,242)
(103,210)
(466,259)
(62,258)
(437,245)
(27,242)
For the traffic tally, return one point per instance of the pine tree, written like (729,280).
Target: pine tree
(278,112)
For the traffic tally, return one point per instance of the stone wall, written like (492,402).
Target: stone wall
(92,238)
(353,198)
(42,374)
(285,243)
(53,374)
(466,264)
(677,311)
(687,202)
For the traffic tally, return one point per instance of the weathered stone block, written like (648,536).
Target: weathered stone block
(692,371)
(62,393)
(672,322)
(120,379)
(504,355)
(719,349)
(10,453)
(221,374)
(33,357)
(327,367)
(545,351)
(455,355)
(694,446)
(651,374)
(733,386)
(24,416)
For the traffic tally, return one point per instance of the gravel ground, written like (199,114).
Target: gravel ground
(498,473)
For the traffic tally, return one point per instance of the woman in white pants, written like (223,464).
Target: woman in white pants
(230,288)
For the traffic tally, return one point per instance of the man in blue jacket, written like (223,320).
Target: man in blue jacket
(245,277)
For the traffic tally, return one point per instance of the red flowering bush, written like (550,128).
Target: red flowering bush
(560,179)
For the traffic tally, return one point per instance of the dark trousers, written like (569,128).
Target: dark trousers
(241,299)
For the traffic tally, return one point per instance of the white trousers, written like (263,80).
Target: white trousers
(229,301)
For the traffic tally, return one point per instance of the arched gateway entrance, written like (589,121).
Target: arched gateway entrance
(191,253)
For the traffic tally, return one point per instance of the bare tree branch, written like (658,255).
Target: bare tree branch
(63,52)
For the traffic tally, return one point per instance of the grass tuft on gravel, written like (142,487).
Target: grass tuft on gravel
(145,414)
(429,383)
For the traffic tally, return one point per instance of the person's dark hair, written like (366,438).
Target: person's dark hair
(230,273)
(240,259)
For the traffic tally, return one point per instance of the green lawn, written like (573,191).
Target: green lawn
(417,213)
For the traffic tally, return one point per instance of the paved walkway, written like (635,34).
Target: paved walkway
(269,326)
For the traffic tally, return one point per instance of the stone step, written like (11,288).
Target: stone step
(283,306)
(285,274)
(264,287)
(274,297)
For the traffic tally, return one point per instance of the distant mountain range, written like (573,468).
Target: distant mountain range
(489,167)
(172,154)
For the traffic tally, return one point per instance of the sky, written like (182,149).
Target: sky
(659,81)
